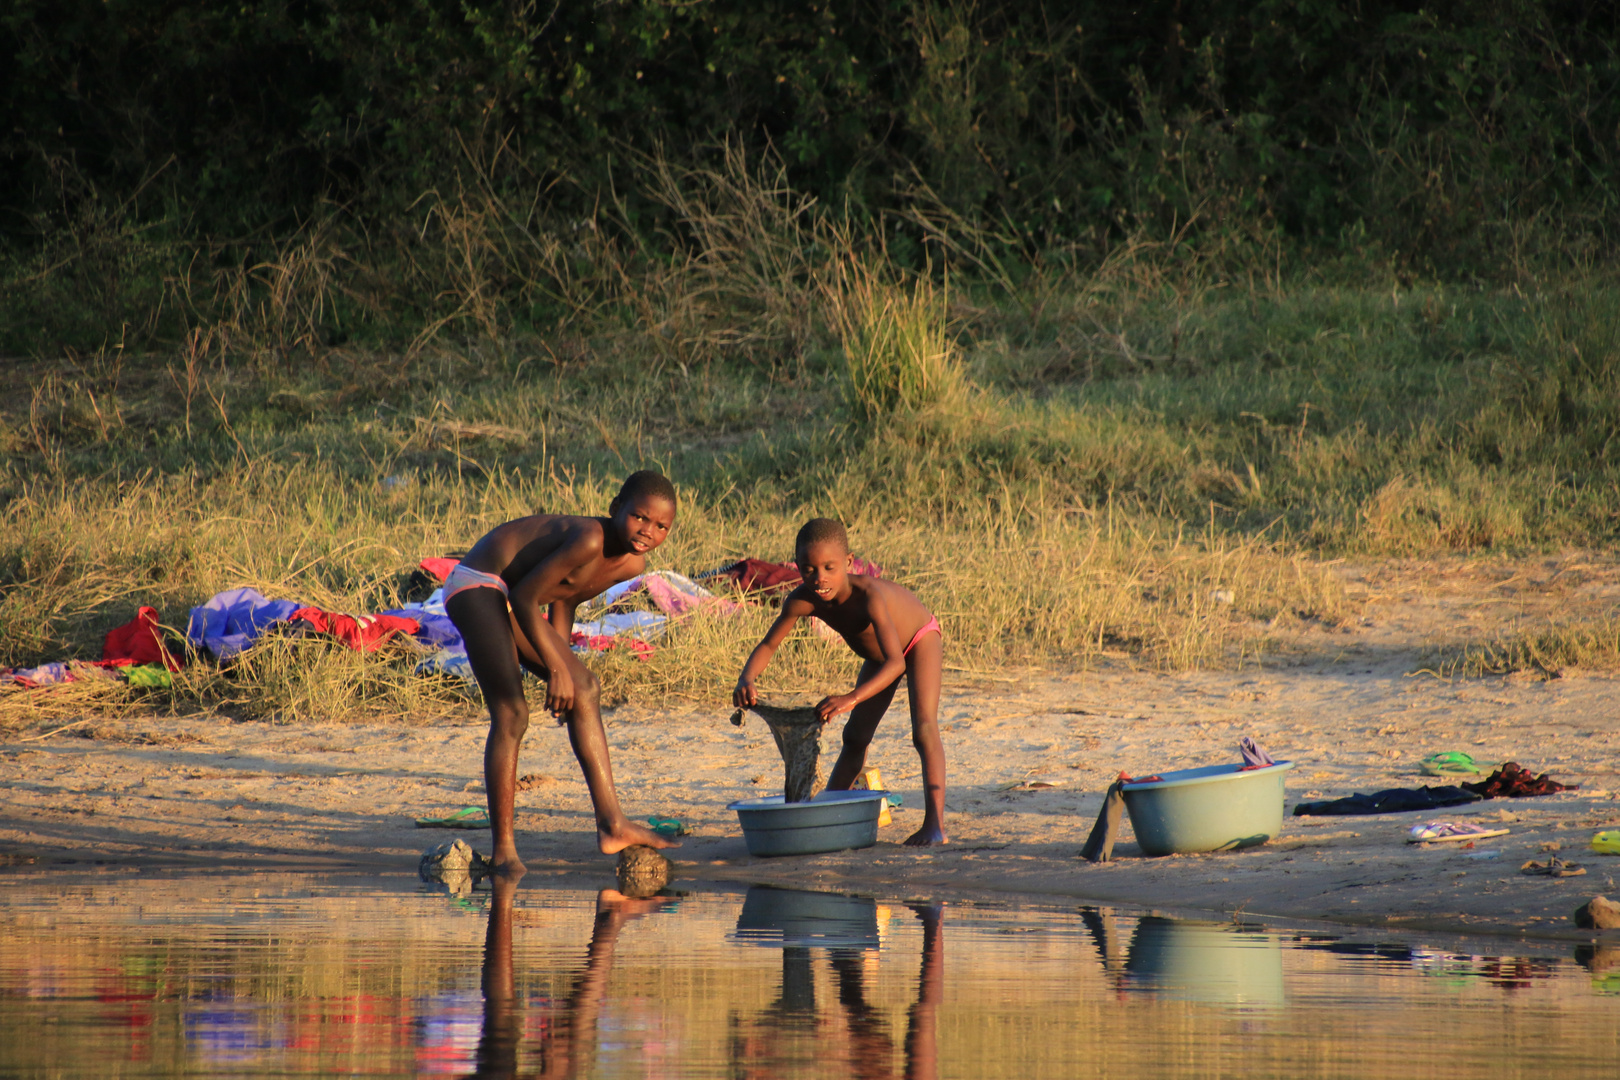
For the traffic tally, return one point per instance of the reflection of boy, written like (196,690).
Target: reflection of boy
(572,1033)
(890,630)
(513,598)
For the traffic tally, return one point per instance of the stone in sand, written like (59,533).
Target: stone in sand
(798,739)
(642,871)
(1598,913)
(453,864)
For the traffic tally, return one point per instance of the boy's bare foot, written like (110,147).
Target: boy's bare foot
(506,864)
(927,836)
(615,838)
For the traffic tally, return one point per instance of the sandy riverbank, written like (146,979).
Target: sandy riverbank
(1343,705)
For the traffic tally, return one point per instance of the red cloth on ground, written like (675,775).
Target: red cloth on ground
(138,642)
(363,632)
(756,575)
(604,642)
(1513,781)
(439,568)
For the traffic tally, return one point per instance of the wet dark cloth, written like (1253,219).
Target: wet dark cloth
(1389,801)
(1512,781)
(1100,844)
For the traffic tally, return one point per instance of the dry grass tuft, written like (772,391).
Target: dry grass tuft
(1546,651)
(898,354)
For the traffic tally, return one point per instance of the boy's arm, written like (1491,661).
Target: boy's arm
(793,609)
(542,589)
(894,663)
(561,617)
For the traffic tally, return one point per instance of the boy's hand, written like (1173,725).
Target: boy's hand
(745,696)
(559,692)
(830,707)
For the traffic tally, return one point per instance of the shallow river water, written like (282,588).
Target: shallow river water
(160,974)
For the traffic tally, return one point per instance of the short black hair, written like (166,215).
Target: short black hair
(821,531)
(644,483)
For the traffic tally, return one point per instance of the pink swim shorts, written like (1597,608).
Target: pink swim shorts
(464,577)
(931,624)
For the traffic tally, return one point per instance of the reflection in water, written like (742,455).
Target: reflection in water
(570,1034)
(1212,962)
(792,1032)
(300,975)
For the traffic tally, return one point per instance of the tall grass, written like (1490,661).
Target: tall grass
(1012,586)
(1142,460)
(898,353)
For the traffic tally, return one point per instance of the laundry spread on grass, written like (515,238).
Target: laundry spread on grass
(133,652)
(631,615)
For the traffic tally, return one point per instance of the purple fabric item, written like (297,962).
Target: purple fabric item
(435,631)
(232,620)
(44,675)
(1254,755)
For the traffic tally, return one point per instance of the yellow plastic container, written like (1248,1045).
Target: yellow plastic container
(872,780)
(1607,842)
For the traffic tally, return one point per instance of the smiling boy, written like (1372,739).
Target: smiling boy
(893,634)
(513,598)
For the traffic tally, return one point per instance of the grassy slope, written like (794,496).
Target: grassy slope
(1108,469)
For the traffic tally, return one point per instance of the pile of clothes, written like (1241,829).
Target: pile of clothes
(1509,781)
(631,614)
(134,653)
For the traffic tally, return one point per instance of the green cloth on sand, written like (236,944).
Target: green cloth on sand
(148,675)
(471,817)
(1455,763)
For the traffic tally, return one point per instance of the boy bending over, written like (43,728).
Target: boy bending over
(513,598)
(890,630)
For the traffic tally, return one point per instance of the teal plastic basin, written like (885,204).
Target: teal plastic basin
(832,821)
(1216,808)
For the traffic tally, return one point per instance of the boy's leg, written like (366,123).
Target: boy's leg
(481,616)
(588,737)
(858,731)
(924,668)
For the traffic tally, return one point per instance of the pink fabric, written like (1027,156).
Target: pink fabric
(464,577)
(604,642)
(931,624)
(672,601)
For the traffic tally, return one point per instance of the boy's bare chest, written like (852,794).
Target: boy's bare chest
(584,582)
(855,627)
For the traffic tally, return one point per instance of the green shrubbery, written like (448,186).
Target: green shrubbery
(1078,324)
(439,164)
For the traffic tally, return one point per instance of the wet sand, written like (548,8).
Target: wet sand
(1342,702)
